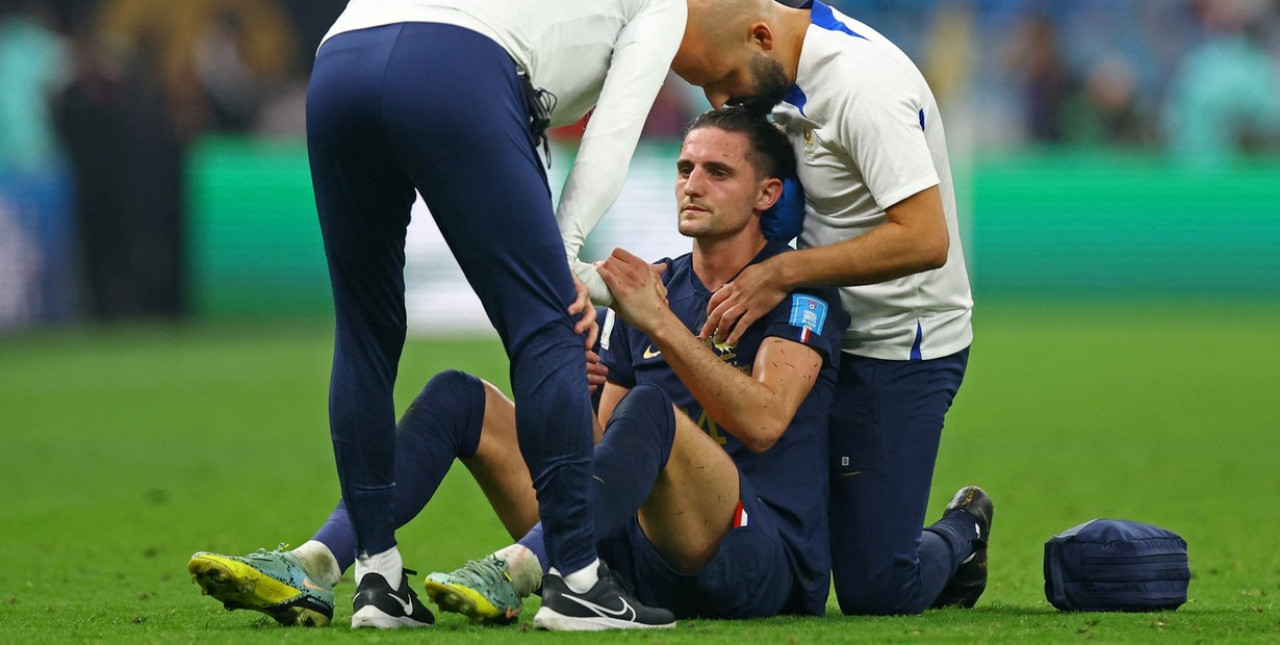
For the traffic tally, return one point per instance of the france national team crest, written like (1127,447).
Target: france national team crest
(809,314)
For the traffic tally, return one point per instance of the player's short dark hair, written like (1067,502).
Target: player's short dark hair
(771,154)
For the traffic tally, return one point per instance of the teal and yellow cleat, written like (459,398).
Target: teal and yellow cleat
(480,590)
(272,582)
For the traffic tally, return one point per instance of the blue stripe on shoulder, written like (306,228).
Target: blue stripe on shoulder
(822,16)
(795,96)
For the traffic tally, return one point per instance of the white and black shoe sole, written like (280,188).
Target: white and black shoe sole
(551,620)
(370,616)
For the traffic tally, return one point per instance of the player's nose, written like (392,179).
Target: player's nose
(717,99)
(693,184)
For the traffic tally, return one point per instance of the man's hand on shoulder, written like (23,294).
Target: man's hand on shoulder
(739,304)
(639,295)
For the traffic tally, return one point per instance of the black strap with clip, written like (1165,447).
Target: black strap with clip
(540,104)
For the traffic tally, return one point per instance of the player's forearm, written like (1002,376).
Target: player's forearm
(913,239)
(593,184)
(636,73)
(887,252)
(740,405)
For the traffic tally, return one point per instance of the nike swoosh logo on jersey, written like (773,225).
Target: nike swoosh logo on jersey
(625,613)
(650,352)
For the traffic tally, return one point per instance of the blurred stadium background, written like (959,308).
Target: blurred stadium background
(152,162)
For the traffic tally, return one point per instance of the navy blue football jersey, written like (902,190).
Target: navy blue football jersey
(790,477)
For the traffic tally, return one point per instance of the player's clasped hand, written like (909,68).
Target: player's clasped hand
(639,295)
(739,304)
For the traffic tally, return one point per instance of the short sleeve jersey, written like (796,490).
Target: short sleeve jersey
(867,134)
(790,477)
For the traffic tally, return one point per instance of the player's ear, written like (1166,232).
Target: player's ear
(770,193)
(761,35)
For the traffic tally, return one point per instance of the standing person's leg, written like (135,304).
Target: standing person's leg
(886,426)
(462,134)
(363,199)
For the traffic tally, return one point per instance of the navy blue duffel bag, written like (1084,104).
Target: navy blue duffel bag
(1116,565)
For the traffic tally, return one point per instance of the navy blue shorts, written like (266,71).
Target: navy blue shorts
(749,577)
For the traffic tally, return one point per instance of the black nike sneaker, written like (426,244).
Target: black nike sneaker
(377,605)
(607,605)
(970,580)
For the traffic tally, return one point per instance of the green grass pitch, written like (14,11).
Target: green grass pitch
(123,450)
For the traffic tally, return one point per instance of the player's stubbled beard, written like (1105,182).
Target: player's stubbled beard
(771,85)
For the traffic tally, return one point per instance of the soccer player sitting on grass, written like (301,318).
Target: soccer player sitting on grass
(710,478)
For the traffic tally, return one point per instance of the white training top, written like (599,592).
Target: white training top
(867,135)
(612,55)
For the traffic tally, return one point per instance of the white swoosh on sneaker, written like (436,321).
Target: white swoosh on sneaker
(603,611)
(404,602)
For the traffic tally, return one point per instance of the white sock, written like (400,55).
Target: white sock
(582,580)
(319,563)
(387,564)
(523,567)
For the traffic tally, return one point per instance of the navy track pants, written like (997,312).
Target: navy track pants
(441,109)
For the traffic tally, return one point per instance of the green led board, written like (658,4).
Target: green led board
(1070,224)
